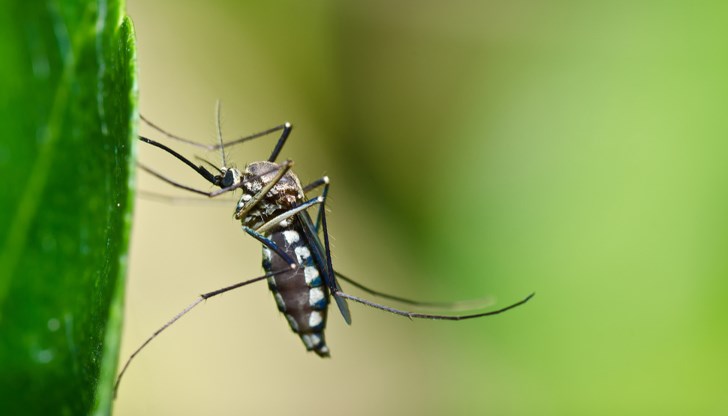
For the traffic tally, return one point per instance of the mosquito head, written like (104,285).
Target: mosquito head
(228,177)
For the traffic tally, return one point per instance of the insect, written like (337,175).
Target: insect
(273,209)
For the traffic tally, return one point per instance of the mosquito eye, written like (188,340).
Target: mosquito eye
(229,178)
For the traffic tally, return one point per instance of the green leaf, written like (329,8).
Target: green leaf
(67,126)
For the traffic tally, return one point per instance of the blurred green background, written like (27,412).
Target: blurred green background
(575,149)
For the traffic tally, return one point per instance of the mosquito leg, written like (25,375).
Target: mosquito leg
(174,200)
(222,145)
(288,214)
(431,316)
(271,245)
(316,184)
(336,290)
(287,127)
(470,304)
(170,135)
(313,185)
(331,279)
(181,314)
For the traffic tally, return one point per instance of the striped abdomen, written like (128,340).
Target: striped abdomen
(301,294)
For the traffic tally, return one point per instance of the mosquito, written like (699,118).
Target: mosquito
(273,209)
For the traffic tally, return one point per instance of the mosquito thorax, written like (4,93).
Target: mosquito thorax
(284,195)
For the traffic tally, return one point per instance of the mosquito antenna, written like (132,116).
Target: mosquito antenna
(427,315)
(219,131)
(184,312)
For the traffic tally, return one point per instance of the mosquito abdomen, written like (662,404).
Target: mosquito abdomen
(301,294)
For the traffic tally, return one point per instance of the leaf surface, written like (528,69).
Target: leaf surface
(67,123)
